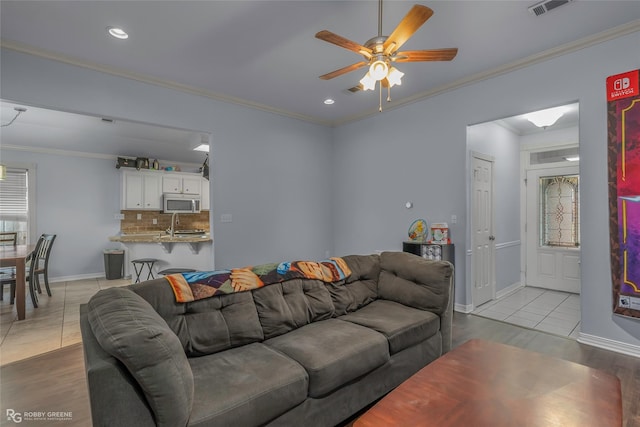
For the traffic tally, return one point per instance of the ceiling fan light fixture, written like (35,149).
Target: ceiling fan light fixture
(394,77)
(368,82)
(545,118)
(378,69)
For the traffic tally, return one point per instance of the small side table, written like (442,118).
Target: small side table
(141,262)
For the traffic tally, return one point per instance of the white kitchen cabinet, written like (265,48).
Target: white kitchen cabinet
(181,183)
(141,191)
(192,184)
(205,203)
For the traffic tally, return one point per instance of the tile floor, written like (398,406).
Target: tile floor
(54,324)
(545,310)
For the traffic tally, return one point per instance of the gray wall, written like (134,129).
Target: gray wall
(415,153)
(504,146)
(419,151)
(270,172)
(76,199)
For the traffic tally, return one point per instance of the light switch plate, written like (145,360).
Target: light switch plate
(226,218)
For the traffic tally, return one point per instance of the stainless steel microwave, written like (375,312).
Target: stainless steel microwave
(180,203)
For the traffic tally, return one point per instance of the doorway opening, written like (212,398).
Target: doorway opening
(533,220)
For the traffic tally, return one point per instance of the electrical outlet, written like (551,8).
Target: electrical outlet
(226,218)
(118,216)
(139,216)
(154,220)
(454,219)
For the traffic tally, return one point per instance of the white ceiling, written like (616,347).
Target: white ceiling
(264,53)
(46,129)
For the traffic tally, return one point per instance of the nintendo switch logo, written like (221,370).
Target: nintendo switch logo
(620,84)
(623,85)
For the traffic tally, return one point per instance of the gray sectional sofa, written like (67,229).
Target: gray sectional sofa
(297,353)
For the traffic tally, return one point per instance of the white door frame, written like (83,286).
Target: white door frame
(492,243)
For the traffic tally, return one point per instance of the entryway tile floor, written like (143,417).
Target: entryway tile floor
(54,324)
(541,309)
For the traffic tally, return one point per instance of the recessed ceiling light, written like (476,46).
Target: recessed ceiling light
(202,147)
(118,33)
(329,101)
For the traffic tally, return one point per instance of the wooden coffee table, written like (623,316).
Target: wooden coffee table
(482,383)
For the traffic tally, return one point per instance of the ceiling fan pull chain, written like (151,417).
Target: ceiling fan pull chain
(380,101)
(388,93)
(380,18)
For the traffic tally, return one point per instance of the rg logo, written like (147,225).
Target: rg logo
(14,416)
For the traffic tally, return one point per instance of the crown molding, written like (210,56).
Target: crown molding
(144,78)
(613,33)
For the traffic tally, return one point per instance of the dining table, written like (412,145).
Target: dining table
(16,256)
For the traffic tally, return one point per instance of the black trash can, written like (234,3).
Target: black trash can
(114,263)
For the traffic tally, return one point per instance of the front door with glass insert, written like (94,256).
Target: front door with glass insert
(553,229)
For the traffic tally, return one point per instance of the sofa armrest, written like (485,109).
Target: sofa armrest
(115,397)
(419,283)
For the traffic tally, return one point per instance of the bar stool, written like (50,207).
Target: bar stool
(168,271)
(142,262)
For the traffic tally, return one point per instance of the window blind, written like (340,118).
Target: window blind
(14,195)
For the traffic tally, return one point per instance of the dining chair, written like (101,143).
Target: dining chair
(37,264)
(7,238)
(41,261)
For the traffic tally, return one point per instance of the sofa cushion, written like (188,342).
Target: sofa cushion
(205,326)
(333,352)
(360,288)
(245,386)
(401,272)
(283,307)
(128,328)
(403,326)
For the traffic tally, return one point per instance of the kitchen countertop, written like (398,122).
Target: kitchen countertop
(160,237)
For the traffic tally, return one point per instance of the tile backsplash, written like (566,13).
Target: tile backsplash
(191,221)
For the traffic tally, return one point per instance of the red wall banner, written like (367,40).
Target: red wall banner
(623,115)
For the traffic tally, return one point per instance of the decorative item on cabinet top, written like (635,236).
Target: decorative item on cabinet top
(138,163)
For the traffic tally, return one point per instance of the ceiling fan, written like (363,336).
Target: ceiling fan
(381,52)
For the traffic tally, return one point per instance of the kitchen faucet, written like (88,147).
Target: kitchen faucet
(173,217)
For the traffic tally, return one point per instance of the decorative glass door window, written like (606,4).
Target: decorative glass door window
(559,211)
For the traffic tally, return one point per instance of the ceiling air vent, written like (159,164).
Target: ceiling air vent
(546,6)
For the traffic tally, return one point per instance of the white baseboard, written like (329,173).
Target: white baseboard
(607,344)
(509,289)
(461,308)
(77,277)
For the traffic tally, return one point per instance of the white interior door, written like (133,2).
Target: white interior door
(483,241)
(553,229)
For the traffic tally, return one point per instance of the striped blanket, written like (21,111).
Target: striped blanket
(189,287)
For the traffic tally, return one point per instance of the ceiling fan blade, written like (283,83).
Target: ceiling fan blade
(417,16)
(426,55)
(342,71)
(333,38)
